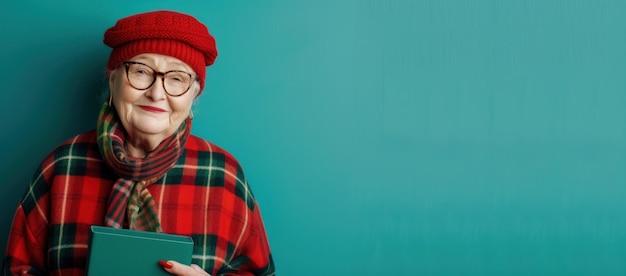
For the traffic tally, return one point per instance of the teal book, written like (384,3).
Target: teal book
(115,251)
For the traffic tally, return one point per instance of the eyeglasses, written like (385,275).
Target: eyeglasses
(141,77)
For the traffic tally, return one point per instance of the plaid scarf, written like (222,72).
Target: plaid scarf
(129,194)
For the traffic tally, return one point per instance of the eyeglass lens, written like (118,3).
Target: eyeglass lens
(142,77)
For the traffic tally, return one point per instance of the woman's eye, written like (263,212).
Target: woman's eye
(176,77)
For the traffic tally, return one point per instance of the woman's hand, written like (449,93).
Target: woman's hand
(177,268)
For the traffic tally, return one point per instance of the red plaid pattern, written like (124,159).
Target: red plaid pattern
(205,196)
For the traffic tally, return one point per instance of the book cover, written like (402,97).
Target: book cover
(115,251)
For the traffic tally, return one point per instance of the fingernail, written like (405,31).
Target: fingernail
(165,264)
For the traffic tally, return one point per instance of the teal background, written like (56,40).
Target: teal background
(397,137)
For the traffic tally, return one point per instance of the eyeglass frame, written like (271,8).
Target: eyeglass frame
(156,74)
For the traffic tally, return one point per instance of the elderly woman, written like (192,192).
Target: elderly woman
(141,168)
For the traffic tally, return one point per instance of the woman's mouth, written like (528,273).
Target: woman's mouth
(152,109)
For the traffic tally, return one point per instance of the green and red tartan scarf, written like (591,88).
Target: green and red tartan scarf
(129,195)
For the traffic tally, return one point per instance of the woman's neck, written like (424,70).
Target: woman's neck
(139,145)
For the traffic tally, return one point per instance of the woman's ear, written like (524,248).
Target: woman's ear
(112,77)
(196,89)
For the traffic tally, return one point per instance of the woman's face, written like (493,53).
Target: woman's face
(151,111)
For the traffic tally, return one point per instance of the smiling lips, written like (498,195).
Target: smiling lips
(152,109)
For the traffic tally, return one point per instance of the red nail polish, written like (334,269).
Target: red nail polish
(165,264)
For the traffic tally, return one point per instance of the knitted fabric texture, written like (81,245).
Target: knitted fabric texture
(162,32)
(129,195)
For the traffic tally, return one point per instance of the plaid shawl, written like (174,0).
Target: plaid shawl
(129,193)
(205,195)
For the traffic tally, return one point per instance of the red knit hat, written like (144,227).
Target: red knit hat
(162,32)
